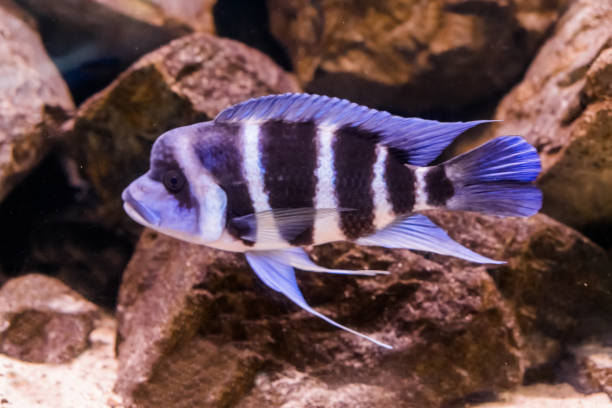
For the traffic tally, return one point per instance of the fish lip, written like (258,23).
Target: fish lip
(146,213)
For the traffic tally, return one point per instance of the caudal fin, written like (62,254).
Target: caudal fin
(496,178)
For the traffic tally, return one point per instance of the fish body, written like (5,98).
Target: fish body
(273,174)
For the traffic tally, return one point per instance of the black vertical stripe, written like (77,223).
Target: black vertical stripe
(438,186)
(354,158)
(401,183)
(219,150)
(289,159)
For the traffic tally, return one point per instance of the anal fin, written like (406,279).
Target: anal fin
(281,277)
(420,233)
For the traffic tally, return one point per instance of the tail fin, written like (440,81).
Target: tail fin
(496,178)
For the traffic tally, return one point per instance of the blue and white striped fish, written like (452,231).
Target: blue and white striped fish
(272,174)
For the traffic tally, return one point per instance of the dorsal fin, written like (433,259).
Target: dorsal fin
(420,140)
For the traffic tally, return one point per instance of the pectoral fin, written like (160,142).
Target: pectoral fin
(281,277)
(265,227)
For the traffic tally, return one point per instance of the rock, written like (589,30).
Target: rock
(547,396)
(564,108)
(294,389)
(33,97)
(591,368)
(183,309)
(556,280)
(176,16)
(42,320)
(93,41)
(411,56)
(86,381)
(195,14)
(189,80)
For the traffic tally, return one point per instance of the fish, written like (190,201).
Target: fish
(274,174)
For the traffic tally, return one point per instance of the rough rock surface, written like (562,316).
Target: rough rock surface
(294,389)
(174,327)
(33,97)
(196,14)
(550,298)
(86,381)
(411,56)
(42,320)
(564,108)
(189,80)
(183,308)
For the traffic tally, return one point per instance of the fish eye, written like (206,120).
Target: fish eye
(174,180)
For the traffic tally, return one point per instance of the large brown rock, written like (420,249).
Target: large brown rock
(33,97)
(189,80)
(43,321)
(411,56)
(564,108)
(190,314)
(557,281)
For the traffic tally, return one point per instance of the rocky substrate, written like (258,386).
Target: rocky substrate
(192,326)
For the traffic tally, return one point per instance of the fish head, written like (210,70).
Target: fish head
(176,196)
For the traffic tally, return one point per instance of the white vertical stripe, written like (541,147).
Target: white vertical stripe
(252,167)
(420,195)
(209,196)
(326,229)
(254,175)
(383,210)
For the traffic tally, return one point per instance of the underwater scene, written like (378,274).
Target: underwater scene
(306,203)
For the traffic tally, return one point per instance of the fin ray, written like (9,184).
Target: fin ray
(264,226)
(496,178)
(419,233)
(419,140)
(281,278)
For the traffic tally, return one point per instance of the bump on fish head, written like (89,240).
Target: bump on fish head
(175,196)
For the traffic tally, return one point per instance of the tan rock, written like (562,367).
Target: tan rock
(86,381)
(189,80)
(42,320)
(33,97)
(411,56)
(564,108)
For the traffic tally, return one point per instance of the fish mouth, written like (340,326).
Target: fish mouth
(134,207)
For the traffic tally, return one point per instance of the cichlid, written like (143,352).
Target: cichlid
(275,173)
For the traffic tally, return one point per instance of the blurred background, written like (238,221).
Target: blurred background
(86,86)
